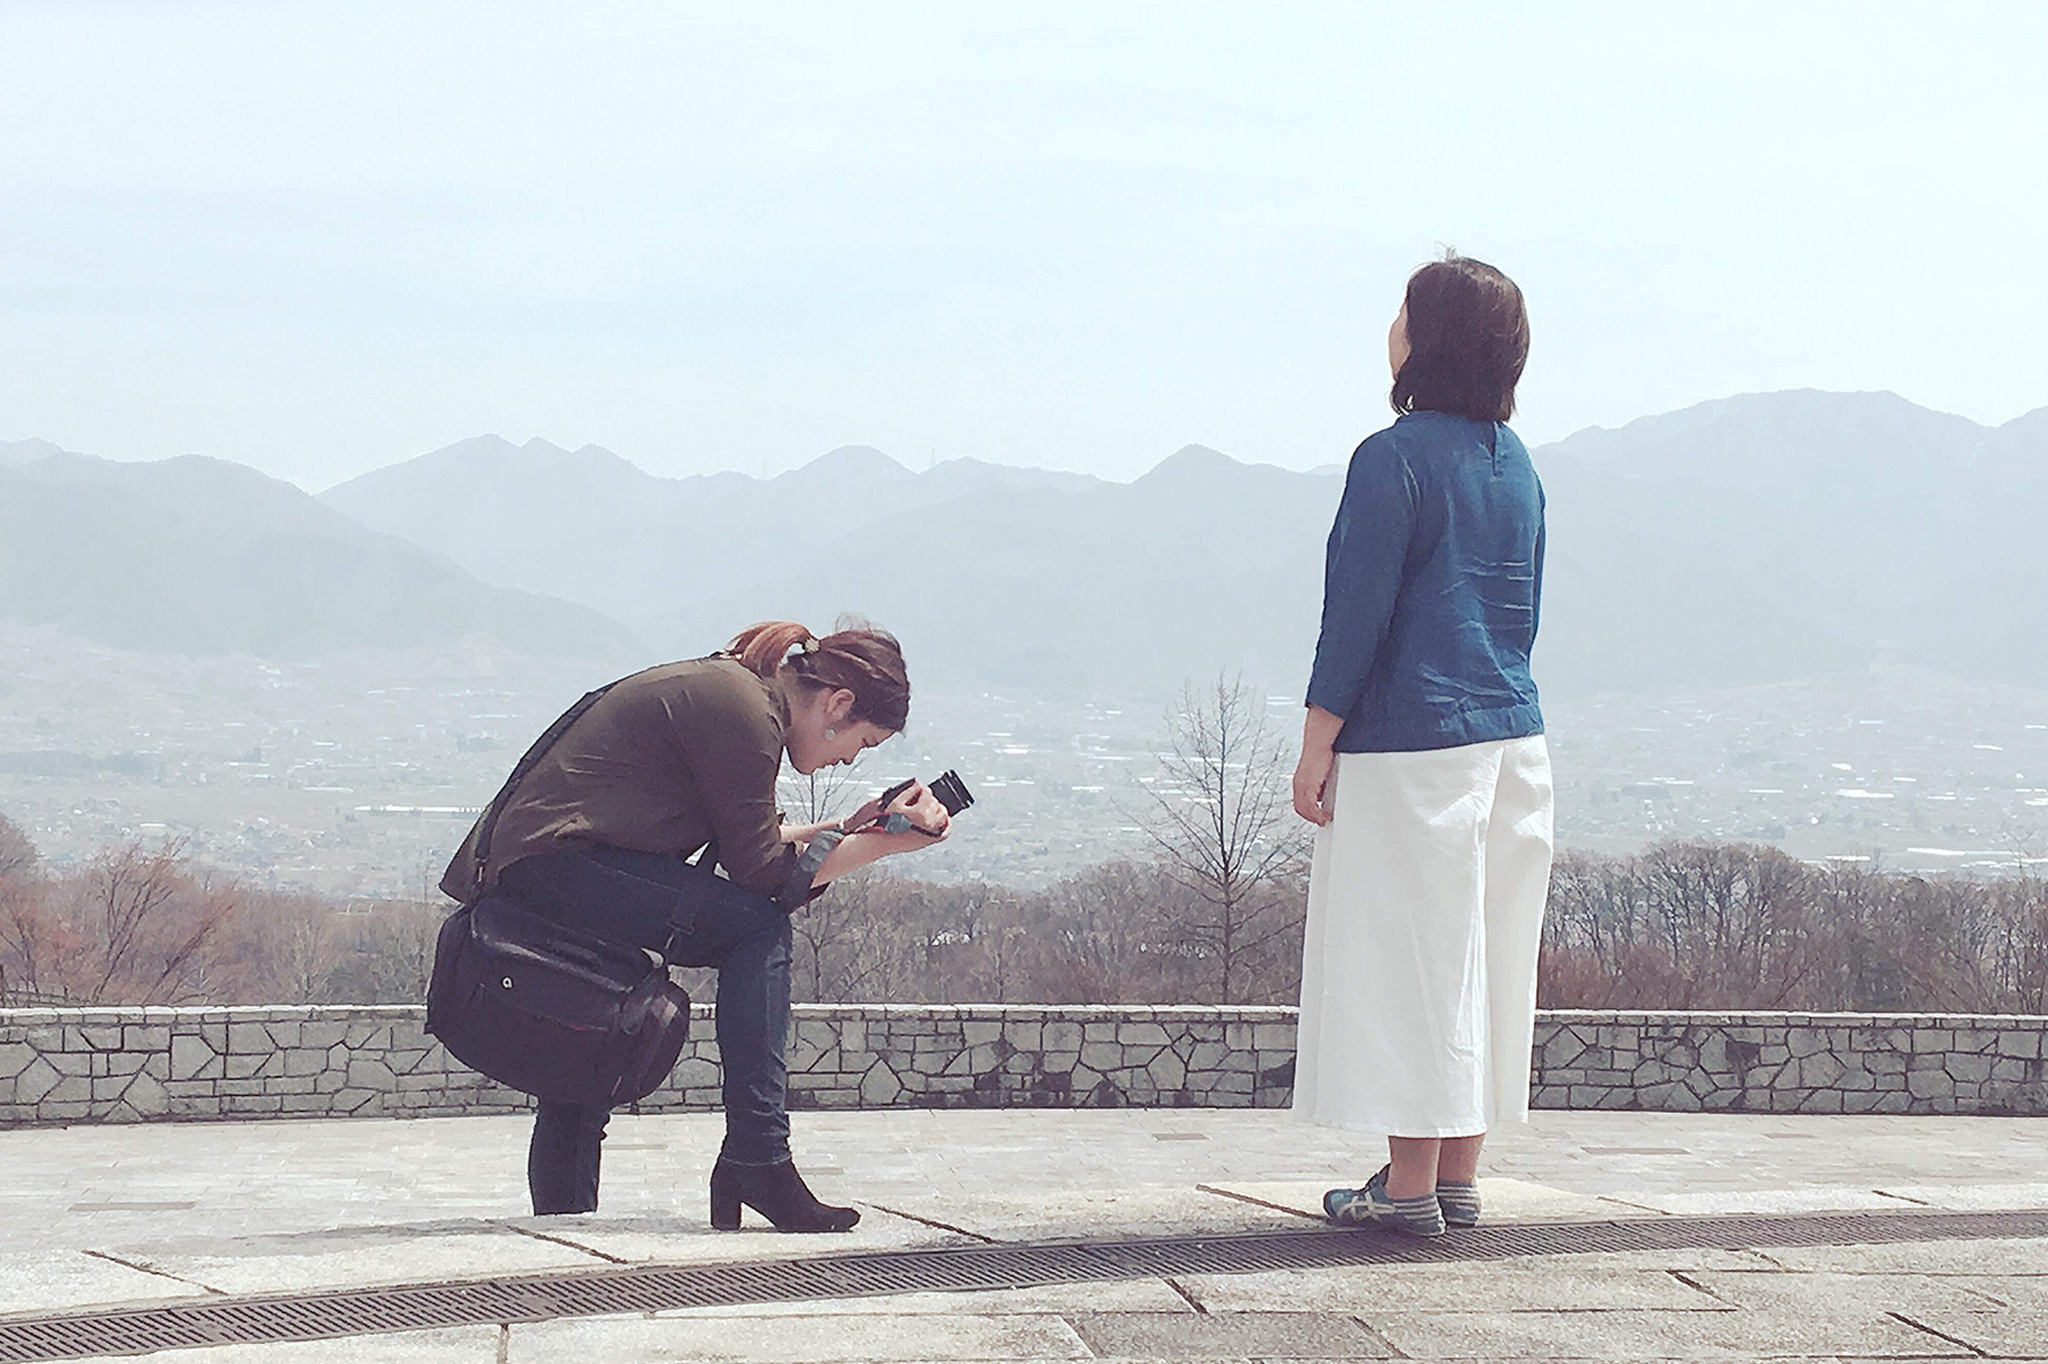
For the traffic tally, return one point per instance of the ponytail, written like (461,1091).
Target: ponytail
(863,660)
(763,647)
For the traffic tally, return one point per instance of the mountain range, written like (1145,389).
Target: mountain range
(203,556)
(1752,539)
(1772,536)
(591,526)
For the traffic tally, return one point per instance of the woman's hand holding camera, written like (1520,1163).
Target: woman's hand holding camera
(925,815)
(910,815)
(924,811)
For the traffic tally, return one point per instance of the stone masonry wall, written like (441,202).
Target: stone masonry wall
(131,1065)
(1792,1063)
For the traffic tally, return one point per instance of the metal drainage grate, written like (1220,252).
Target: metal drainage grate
(654,1288)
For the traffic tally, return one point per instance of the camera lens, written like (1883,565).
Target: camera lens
(952,792)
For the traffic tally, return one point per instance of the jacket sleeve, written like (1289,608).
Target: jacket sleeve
(1536,601)
(1362,572)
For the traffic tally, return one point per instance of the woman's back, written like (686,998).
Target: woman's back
(1432,589)
(668,758)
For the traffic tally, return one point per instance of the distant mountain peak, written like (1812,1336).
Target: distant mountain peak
(486,455)
(491,445)
(2037,420)
(1793,405)
(1190,465)
(851,461)
(1191,461)
(486,443)
(967,471)
(16,452)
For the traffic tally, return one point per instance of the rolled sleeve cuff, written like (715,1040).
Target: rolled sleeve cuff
(1333,697)
(797,890)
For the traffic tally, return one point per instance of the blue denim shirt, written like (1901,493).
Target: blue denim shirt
(1431,589)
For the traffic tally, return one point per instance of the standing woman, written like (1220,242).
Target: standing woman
(664,763)
(1424,766)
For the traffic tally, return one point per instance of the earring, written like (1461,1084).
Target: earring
(831,733)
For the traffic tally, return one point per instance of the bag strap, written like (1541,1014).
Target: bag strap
(480,852)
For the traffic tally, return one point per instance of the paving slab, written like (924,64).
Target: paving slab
(1684,1260)
(1547,1284)
(1790,1292)
(1968,1197)
(1638,1335)
(88,1185)
(2008,1290)
(845,1338)
(39,1281)
(1148,1210)
(1974,1259)
(1116,1295)
(1724,1202)
(1261,1335)
(2001,1335)
(348,1256)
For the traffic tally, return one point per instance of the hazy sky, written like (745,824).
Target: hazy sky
(321,238)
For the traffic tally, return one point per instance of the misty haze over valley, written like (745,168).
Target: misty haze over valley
(1805,618)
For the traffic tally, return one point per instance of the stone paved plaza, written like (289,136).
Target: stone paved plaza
(111,1214)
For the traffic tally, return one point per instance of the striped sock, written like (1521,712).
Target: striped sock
(1460,1202)
(1422,1215)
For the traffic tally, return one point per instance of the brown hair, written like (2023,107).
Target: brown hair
(865,661)
(1468,338)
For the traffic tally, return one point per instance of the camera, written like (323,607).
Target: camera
(952,792)
(946,788)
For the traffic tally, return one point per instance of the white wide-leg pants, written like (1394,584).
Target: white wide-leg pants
(1425,912)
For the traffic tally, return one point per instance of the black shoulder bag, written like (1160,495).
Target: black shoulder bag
(545,1007)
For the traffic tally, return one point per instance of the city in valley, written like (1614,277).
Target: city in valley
(356,775)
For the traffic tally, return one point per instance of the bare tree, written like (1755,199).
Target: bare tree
(148,926)
(1110,935)
(32,938)
(18,856)
(127,889)
(1224,831)
(26,925)
(398,938)
(384,952)
(851,943)
(304,953)
(813,798)
(1742,926)
(1005,960)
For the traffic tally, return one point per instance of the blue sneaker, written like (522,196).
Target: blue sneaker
(1371,1207)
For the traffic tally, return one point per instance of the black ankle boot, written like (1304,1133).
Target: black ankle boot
(778,1193)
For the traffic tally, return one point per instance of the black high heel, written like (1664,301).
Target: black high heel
(778,1193)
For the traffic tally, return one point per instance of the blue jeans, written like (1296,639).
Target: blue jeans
(643,898)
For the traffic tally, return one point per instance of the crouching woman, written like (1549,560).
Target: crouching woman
(666,762)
